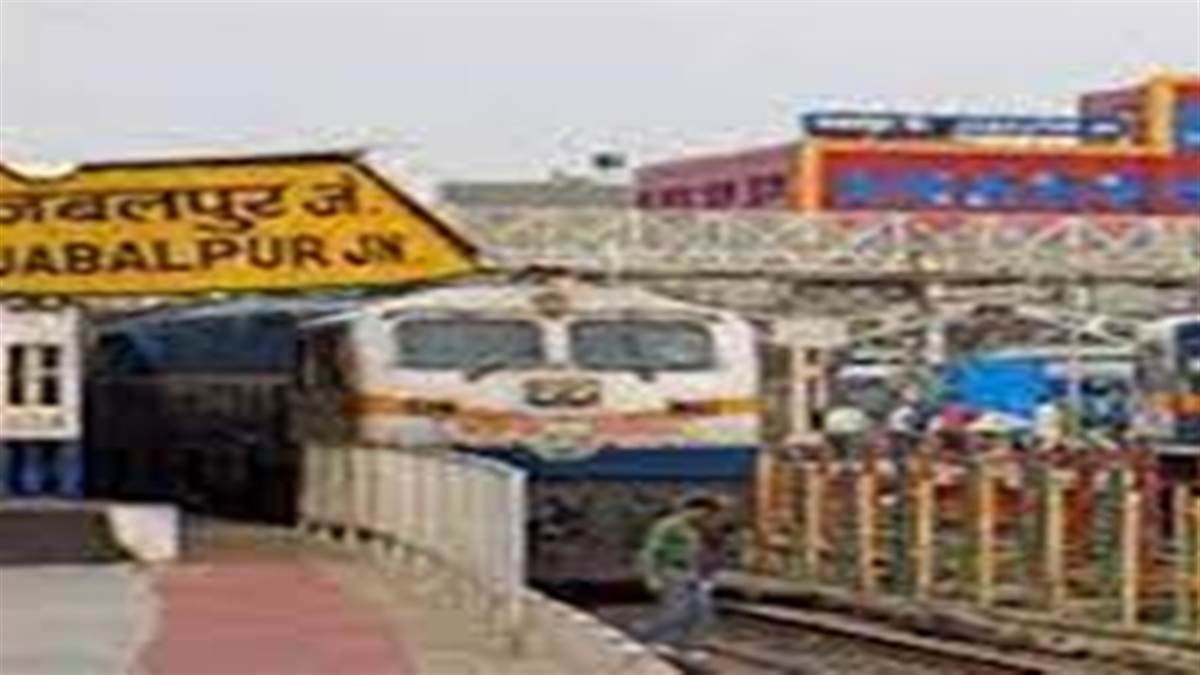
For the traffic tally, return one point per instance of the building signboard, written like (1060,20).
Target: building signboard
(904,125)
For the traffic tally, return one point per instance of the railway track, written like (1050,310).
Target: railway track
(757,639)
(767,640)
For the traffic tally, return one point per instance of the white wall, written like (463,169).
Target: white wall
(62,327)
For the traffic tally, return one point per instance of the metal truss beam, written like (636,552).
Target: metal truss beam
(862,248)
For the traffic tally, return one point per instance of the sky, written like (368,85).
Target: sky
(499,90)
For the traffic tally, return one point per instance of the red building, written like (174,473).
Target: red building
(748,179)
(1130,151)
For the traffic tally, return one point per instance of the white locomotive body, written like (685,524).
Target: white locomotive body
(565,372)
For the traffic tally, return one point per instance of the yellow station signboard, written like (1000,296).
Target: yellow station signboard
(213,225)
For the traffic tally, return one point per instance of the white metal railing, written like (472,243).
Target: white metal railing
(462,515)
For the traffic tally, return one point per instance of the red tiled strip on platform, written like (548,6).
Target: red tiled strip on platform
(266,618)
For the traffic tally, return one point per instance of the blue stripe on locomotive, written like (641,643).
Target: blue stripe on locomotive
(723,463)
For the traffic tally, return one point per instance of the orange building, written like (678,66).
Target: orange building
(1129,151)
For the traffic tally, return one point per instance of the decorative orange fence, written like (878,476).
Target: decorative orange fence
(1095,536)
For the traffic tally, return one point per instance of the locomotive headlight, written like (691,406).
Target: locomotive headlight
(563,392)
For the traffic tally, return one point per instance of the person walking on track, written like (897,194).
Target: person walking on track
(677,564)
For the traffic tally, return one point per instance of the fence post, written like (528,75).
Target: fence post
(391,489)
(1181,544)
(899,517)
(336,487)
(362,492)
(406,481)
(445,540)
(370,520)
(420,507)
(492,552)
(352,485)
(765,470)
(785,509)
(515,563)
(475,518)
(923,516)
(329,480)
(814,489)
(1131,502)
(430,506)
(1195,546)
(1053,555)
(468,523)
(866,487)
(339,493)
(353,494)
(985,560)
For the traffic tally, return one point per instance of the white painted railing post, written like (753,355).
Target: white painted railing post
(455,518)
(514,567)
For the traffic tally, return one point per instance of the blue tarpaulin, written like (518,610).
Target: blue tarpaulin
(1009,386)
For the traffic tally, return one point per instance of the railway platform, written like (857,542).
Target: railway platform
(261,600)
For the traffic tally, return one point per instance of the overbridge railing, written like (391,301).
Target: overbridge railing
(850,246)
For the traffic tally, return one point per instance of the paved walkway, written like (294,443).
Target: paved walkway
(269,617)
(247,601)
(73,620)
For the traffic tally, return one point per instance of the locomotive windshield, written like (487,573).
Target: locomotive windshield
(468,344)
(641,345)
